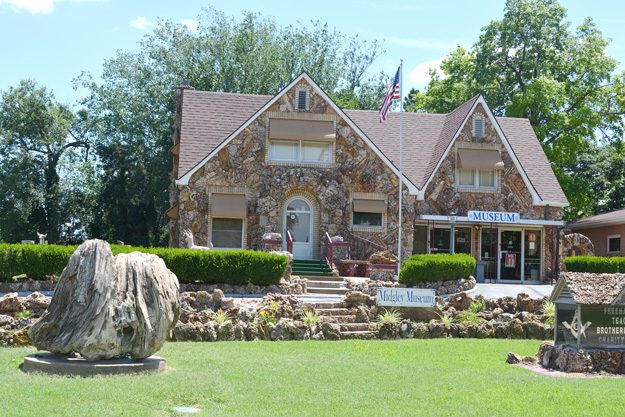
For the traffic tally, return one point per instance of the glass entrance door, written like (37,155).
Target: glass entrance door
(510,255)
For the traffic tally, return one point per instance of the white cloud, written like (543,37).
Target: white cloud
(36,6)
(30,6)
(420,75)
(190,24)
(141,23)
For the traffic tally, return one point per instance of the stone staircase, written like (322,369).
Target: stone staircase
(349,325)
(319,276)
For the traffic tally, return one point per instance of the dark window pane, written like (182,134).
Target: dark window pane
(614,244)
(227,233)
(367,219)
(439,241)
(463,240)
(420,241)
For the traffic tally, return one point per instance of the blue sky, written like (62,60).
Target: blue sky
(52,41)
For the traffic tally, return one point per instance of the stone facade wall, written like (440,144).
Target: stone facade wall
(443,197)
(243,165)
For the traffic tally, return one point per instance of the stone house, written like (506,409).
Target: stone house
(605,230)
(246,165)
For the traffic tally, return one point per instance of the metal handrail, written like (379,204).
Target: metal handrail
(364,240)
(329,251)
(289,242)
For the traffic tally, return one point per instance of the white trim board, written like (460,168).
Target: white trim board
(536,199)
(184,180)
(522,222)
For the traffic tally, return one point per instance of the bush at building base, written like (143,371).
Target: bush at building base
(437,267)
(235,267)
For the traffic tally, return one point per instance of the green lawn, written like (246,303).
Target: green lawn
(450,377)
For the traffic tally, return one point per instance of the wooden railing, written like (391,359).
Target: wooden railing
(289,242)
(361,247)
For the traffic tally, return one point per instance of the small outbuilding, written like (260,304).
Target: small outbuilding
(590,310)
(605,231)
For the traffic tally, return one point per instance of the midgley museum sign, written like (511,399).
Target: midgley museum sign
(405,297)
(493,217)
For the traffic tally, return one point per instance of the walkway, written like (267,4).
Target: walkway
(488,291)
(493,291)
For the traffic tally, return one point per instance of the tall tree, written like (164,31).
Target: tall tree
(130,112)
(35,134)
(532,64)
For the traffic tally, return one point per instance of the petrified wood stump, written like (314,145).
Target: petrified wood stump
(106,306)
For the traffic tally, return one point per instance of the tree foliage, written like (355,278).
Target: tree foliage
(129,113)
(36,137)
(533,64)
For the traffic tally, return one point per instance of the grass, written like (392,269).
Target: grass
(436,377)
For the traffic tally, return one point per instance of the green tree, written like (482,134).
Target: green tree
(130,112)
(532,64)
(35,135)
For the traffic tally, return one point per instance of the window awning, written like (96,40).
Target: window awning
(228,205)
(479,159)
(302,129)
(369,206)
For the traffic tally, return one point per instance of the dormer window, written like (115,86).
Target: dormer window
(302,99)
(478,127)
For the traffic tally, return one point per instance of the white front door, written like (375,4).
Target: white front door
(298,216)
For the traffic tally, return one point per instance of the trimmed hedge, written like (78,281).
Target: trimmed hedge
(603,264)
(235,267)
(436,267)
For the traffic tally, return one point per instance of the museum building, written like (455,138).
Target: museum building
(298,165)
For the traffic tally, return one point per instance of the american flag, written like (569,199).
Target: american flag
(391,94)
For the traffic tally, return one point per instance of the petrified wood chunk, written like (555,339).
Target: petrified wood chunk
(106,306)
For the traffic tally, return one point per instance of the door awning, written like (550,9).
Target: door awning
(369,206)
(479,159)
(302,129)
(228,205)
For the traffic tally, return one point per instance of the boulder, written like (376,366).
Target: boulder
(513,358)
(460,301)
(36,303)
(383,257)
(356,298)
(10,303)
(525,303)
(331,331)
(106,306)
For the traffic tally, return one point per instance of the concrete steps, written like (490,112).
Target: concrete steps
(349,326)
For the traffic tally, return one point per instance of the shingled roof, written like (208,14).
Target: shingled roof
(590,288)
(603,219)
(208,118)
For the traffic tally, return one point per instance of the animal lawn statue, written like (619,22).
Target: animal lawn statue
(188,237)
(42,238)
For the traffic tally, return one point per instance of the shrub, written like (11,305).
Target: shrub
(390,317)
(221,317)
(438,267)
(477,306)
(549,309)
(601,264)
(310,317)
(235,267)
(465,317)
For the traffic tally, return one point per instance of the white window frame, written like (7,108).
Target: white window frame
(300,153)
(476,181)
(474,127)
(607,248)
(243,228)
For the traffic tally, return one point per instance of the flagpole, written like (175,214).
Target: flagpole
(401,165)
